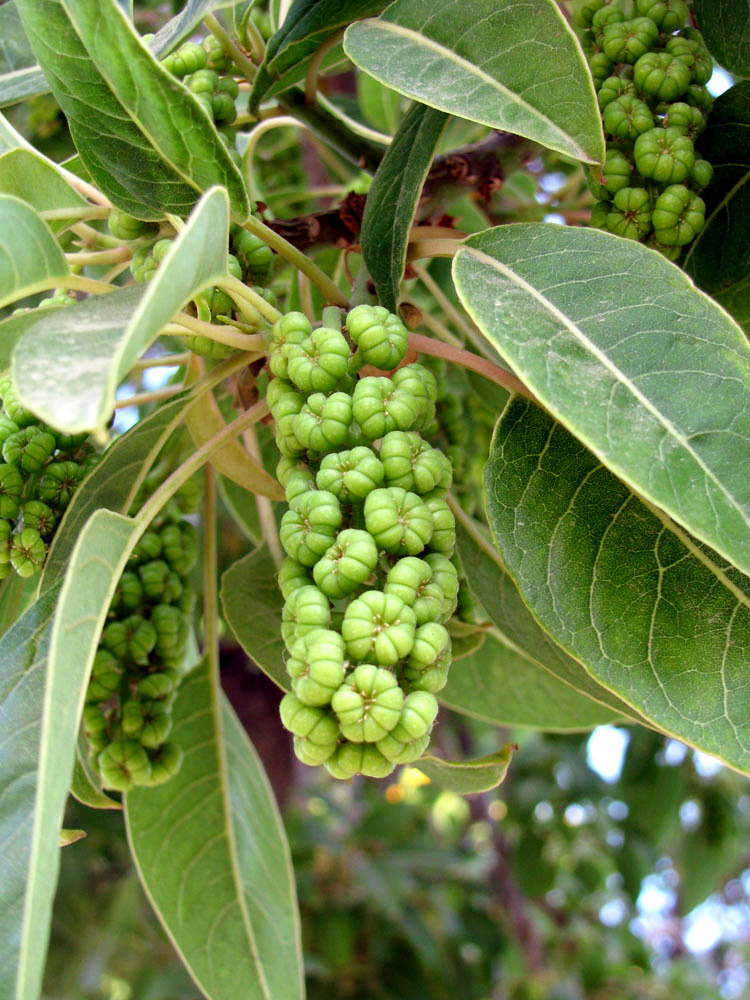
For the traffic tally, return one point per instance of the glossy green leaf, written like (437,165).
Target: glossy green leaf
(725,26)
(480,59)
(30,258)
(307,26)
(144,138)
(33,179)
(718,259)
(90,347)
(212,855)
(393,198)
(251,603)
(654,616)
(620,346)
(20,77)
(499,683)
(494,588)
(33,790)
(468,777)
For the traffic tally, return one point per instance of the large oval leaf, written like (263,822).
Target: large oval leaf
(510,64)
(33,179)
(652,615)
(20,77)
(143,136)
(90,347)
(30,257)
(33,789)
(517,629)
(212,855)
(620,346)
(393,198)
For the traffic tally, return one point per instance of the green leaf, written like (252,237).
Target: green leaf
(380,105)
(68,837)
(489,61)
(499,683)
(20,77)
(33,790)
(307,25)
(657,618)
(251,603)
(10,138)
(213,857)
(35,180)
(619,345)
(719,258)
(468,777)
(494,588)
(16,594)
(143,136)
(90,347)
(30,258)
(724,25)
(393,198)
(243,507)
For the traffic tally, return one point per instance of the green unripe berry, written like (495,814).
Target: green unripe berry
(171,633)
(292,576)
(308,722)
(204,81)
(627,118)
(351,475)
(158,687)
(399,752)
(125,227)
(679,215)
(667,15)
(129,592)
(58,484)
(323,422)
(661,75)
(312,753)
(380,406)
(305,609)
(346,564)
(599,214)
(316,666)
(627,41)
(368,704)
(254,255)
(29,448)
(165,763)
(584,10)
(600,67)
(412,464)
(27,552)
(630,214)
(131,640)
(378,627)
(124,764)
(614,87)
(292,329)
(310,526)
(417,716)
(701,173)
(664,154)
(319,362)
(398,520)
(189,58)
(443,537)
(358,758)
(381,336)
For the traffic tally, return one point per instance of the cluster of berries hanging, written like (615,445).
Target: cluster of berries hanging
(369,583)
(137,667)
(39,473)
(650,70)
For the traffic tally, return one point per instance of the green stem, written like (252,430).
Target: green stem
(236,54)
(78,283)
(234,285)
(162,361)
(198,459)
(256,41)
(141,398)
(83,213)
(210,573)
(98,258)
(313,68)
(439,330)
(219,334)
(332,318)
(281,121)
(295,257)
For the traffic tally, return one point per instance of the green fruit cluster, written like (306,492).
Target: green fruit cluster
(650,70)
(137,667)
(39,473)
(368,581)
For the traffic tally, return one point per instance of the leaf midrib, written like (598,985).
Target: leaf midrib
(619,376)
(472,70)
